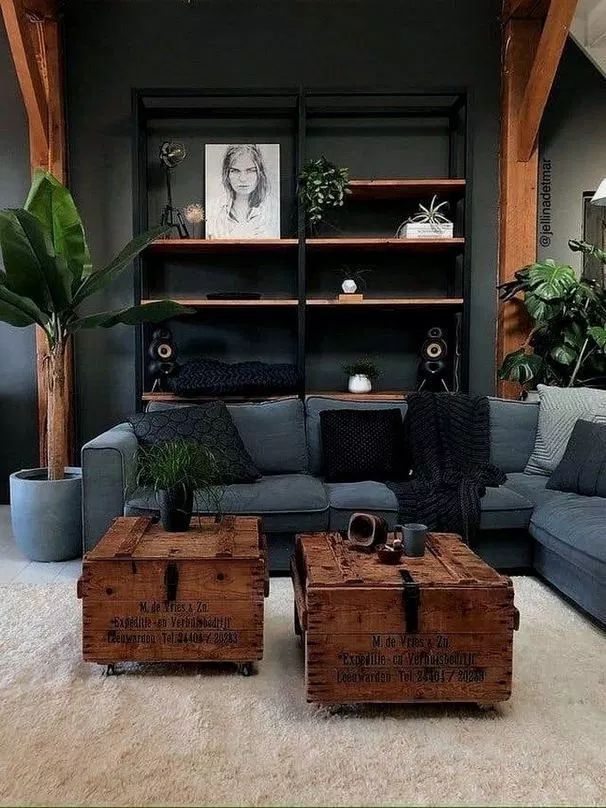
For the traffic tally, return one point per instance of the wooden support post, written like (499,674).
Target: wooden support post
(34,35)
(518,204)
(534,33)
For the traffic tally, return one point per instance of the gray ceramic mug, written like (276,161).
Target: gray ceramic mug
(413,537)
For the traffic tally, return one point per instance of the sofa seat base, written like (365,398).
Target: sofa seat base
(286,503)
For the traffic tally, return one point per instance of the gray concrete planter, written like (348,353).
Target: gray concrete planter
(46,515)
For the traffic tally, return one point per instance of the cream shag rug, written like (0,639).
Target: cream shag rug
(206,736)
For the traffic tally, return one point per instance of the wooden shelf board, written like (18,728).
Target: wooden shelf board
(392,395)
(395,395)
(428,244)
(200,302)
(174,397)
(202,245)
(403,188)
(388,301)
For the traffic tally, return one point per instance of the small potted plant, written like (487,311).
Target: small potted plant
(361,374)
(176,470)
(429,222)
(322,187)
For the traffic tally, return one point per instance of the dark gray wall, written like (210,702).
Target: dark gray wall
(573,152)
(18,424)
(113,46)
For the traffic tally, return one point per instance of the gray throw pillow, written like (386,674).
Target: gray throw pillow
(582,470)
(559,410)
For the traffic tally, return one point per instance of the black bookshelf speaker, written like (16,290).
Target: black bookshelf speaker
(162,353)
(433,365)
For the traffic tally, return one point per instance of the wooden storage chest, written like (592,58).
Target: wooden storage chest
(435,628)
(148,595)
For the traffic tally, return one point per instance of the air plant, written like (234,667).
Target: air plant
(431,215)
(354,274)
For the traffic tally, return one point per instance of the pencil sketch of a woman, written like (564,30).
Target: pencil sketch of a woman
(247,205)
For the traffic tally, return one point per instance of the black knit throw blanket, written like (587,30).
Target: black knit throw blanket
(448,437)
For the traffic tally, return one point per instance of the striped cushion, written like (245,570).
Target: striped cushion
(560,409)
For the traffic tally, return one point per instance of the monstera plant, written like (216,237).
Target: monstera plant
(48,276)
(566,346)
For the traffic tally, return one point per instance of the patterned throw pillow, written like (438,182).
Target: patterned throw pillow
(361,445)
(209,424)
(582,470)
(560,409)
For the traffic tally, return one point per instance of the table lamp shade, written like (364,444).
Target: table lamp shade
(599,198)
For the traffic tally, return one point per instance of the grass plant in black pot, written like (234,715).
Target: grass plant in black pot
(177,470)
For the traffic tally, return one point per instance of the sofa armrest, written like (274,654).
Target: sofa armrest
(108,466)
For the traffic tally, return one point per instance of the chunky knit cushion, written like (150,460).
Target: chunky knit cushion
(361,444)
(209,424)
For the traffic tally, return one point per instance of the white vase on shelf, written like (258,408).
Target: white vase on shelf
(359,383)
(349,286)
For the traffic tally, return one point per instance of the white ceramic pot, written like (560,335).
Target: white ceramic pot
(349,286)
(359,384)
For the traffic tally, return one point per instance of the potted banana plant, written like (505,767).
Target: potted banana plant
(48,276)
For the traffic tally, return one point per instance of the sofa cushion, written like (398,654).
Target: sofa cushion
(504,508)
(573,527)
(560,409)
(582,470)
(314,405)
(347,498)
(273,432)
(531,486)
(286,502)
(513,427)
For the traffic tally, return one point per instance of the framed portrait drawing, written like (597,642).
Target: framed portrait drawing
(242,190)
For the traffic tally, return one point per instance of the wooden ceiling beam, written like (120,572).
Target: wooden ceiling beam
(525,9)
(28,74)
(546,61)
(45,9)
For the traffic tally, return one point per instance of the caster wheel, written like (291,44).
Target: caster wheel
(486,706)
(110,670)
(246,669)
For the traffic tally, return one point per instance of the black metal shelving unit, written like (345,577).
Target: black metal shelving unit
(433,125)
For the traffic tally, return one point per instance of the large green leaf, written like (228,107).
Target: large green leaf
(598,333)
(549,280)
(521,367)
(50,202)
(18,310)
(133,315)
(563,354)
(98,280)
(29,261)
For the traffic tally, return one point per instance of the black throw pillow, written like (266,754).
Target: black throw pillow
(582,469)
(209,424)
(361,445)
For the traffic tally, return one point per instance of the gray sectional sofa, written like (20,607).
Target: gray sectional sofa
(524,525)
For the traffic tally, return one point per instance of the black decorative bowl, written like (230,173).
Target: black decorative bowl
(386,556)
